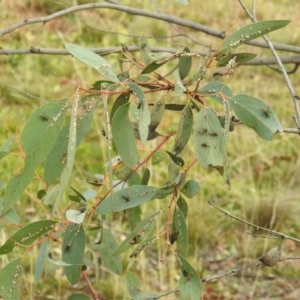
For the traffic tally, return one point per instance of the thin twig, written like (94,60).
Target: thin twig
(270,231)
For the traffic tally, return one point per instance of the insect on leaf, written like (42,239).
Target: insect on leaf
(8,280)
(257,115)
(251,32)
(27,235)
(138,234)
(189,282)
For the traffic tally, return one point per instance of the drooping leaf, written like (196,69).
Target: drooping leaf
(57,262)
(145,177)
(107,248)
(57,157)
(227,125)
(142,246)
(184,130)
(37,139)
(72,251)
(251,32)
(257,115)
(181,203)
(8,280)
(190,188)
(138,234)
(122,131)
(72,141)
(184,2)
(214,88)
(79,296)
(121,100)
(189,283)
(4,149)
(208,139)
(179,230)
(134,288)
(185,64)
(156,114)
(144,50)
(40,260)
(52,195)
(127,198)
(94,60)
(173,168)
(240,58)
(27,235)
(80,196)
(152,67)
(160,156)
(179,87)
(176,159)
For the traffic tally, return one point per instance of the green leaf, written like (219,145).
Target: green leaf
(120,101)
(190,188)
(184,2)
(161,57)
(40,261)
(173,168)
(240,58)
(142,246)
(146,177)
(107,248)
(179,87)
(57,157)
(52,195)
(138,234)
(94,60)
(181,203)
(179,229)
(27,235)
(37,139)
(127,198)
(185,63)
(176,159)
(124,139)
(257,115)
(184,130)
(189,283)
(215,87)
(79,296)
(10,216)
(4,149)
(251,32)
(72,251)
(152,67)
(8,280)
(57,262)
(144,50)
(134,288)
(123,173)
(72,141)
(208,139)
(157,112)
(160,156)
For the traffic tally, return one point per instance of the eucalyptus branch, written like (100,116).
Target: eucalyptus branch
(133,11)
(279,62)
(270,231)
(119,7)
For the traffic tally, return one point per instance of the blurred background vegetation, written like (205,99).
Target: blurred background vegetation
(265,175)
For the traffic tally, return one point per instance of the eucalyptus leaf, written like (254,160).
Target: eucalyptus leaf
(257,115)
(251,32)
(124,139)
(190,188)
(94,60)
(185,63)
(72,251)
(179,228)
(4,149)
(208,139)
(127,198)
(212,90)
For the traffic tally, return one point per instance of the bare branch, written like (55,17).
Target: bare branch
(127,9)
(270,231)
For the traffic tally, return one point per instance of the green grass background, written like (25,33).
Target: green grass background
(265,175)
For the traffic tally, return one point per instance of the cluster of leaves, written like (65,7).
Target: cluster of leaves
(51,138)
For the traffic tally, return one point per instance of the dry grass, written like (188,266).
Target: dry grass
(265,184)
